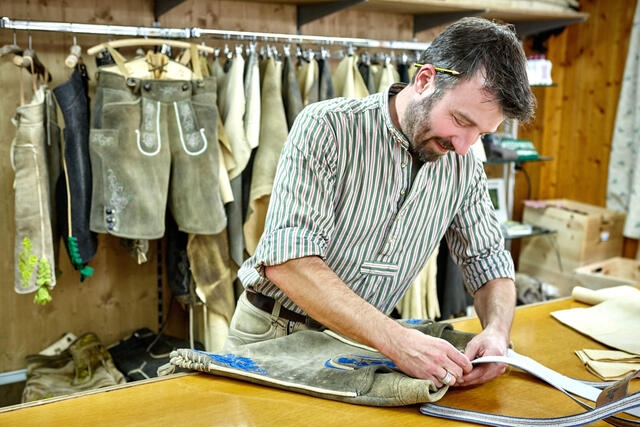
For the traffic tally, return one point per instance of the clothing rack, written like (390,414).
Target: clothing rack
(190,33)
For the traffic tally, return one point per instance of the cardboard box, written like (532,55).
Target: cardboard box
(615,271)
(582,234)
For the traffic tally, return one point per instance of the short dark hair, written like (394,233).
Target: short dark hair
(472,45)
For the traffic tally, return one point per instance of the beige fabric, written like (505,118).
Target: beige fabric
(590,296)
(347,80)
(215,331)
(273,133)
(226,193)
(609,365)
(226,158)
(209,261)
(614,322)
(252,92)
(421,299)
(307,75)
(232,104)
(227,163)
(387,76)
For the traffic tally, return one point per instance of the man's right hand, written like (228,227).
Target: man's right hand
(425,357)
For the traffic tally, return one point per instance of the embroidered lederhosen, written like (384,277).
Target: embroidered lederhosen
(150,138)
(194,195)
(324,364)
(130,164)
(35,158)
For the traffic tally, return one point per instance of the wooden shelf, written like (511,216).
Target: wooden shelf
(535,231)
(495,161)
(529,17)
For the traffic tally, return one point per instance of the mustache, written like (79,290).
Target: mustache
(445,143)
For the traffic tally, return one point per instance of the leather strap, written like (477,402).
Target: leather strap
(610,401)
(267,304)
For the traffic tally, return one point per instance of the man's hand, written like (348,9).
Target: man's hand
(495,303)
(426,357)
(484,344)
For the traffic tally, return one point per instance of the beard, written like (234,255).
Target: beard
(415,124)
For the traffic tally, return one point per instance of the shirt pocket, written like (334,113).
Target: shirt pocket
(384,269)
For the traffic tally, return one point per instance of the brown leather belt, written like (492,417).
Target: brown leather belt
(266,304)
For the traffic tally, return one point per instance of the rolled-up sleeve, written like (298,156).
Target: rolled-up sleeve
(300,218)
(475,238)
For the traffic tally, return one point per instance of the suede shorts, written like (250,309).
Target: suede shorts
(153,144)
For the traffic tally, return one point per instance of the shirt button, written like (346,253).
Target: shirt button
(404,165)
(402,191)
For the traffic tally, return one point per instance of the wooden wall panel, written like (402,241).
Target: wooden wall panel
(232,15)
(578,115)
(575,118)
(372,25)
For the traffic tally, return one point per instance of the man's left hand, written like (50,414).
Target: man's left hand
(484,344)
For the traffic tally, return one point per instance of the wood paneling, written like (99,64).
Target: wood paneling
(576,117)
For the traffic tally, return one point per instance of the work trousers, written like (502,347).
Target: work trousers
(153,141)
(250,324)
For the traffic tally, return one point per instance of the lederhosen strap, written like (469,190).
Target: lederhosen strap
(609,402)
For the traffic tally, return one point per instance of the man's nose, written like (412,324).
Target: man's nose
(462,144)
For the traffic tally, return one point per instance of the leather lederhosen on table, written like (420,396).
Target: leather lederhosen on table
(325,364)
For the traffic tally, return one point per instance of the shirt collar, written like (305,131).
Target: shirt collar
(398,136)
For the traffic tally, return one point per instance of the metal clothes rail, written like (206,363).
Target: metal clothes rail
(190,33)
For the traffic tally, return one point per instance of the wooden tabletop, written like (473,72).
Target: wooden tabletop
(205,400)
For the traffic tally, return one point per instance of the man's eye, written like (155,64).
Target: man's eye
(459,121)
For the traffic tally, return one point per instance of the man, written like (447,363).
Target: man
(365,190)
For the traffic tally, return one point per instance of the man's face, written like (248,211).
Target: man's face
(452,123)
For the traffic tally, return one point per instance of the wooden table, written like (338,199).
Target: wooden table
(201,399)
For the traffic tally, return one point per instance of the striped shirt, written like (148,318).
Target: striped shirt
(343,192)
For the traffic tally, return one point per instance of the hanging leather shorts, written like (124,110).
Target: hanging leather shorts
(35,158)
(154,142)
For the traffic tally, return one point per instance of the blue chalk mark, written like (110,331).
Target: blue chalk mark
(356,362)
(233,361)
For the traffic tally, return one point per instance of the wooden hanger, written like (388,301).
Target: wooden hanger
(146,42)
(28,60)
(152,65)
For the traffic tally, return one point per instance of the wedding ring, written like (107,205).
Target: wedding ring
(447,378)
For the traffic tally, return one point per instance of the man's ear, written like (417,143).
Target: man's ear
(425,78)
